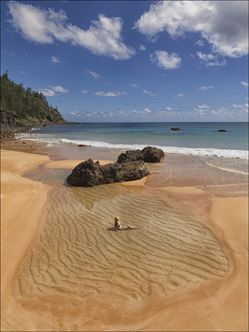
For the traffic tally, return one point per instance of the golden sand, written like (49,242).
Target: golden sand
(184,268)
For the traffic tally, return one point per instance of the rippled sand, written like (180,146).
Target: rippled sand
(75,255)
(77,274)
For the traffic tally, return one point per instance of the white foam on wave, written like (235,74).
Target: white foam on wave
(226,153)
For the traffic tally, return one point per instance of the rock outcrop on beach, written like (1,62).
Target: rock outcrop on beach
(149,154)
(90,173)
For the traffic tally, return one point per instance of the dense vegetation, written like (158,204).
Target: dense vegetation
(23,107)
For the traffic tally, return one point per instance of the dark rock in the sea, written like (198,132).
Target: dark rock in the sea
(222,130)
(89,173)
(175,129)
(148,154)
(81,145)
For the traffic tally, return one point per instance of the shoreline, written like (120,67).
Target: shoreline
(200,309)
(194,151)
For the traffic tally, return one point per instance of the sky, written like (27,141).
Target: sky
(109,61)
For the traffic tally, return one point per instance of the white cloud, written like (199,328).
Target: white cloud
(203,106)
(147,110)
(103,37)
(150,93)
(200,43)
(142,48)
(179,95)
(54,59)
(109,93)
(84,92)
(205,87)
(94,74)
(242,107)
(47,92)
(52,91)
(245,84)
(58,89)
(237,105)
(165,60)
(170,109)
(224,24)
(210,59)
(134,85)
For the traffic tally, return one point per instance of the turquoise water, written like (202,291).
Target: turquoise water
(194,138)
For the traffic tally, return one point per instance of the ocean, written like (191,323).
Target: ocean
(194,138)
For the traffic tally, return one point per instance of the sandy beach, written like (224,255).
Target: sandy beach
(184,269)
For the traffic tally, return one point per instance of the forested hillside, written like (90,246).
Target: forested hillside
(23,107)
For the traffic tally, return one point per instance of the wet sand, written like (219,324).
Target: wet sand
(183,269)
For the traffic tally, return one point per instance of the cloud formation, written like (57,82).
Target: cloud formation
(224,24)
(245,84)
(165,60)
(94,74)
(54,59)
(103,37)
(150,93)
(52,91)
(205,87)
(109,93)
(179,95)
(210,59)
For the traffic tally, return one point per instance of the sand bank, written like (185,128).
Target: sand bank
(22,202)
(75,275)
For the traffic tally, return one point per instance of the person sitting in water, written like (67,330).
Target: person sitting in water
(117,225)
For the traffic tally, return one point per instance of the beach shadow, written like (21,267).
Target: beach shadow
(114,229)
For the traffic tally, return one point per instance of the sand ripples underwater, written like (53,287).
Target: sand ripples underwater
(74,256)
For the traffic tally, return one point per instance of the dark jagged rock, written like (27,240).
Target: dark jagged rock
(89,173)
(222,130)
(175,129)
(152,154)
(131,155)
(148,154)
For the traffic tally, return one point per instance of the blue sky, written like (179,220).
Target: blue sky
(131,61)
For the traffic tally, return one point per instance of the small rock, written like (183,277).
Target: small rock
(175,129)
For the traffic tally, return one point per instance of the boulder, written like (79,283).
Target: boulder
(222,130)
(90,173)
(152,154)
(131,155)
(148,154)
(175,129)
